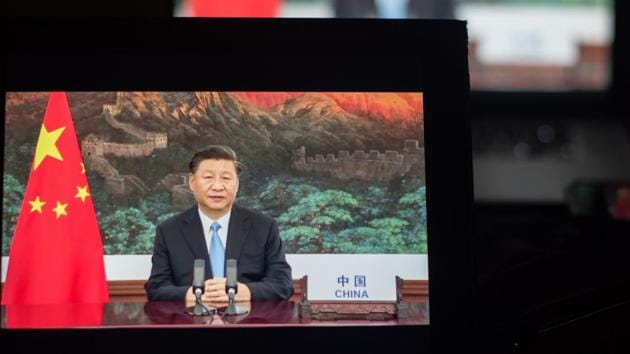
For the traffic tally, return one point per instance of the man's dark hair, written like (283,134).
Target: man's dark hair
(214,152)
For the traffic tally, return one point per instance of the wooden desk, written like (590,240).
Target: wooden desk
(173,314)
(164,327)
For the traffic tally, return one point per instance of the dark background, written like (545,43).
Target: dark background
(549,280)
(545,280)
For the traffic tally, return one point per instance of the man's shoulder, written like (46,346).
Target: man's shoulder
(177,219)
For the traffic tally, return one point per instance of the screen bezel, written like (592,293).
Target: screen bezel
(427,56)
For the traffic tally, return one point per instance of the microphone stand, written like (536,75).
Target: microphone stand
(200,309)
(232,308)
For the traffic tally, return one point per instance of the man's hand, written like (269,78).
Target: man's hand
(215,292)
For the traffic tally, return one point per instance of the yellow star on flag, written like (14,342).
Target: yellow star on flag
(36,205)
(60,209)
(46,145)
(82,193)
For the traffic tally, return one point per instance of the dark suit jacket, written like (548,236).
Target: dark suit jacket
(253,240)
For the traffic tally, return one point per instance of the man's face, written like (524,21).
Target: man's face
(214,184)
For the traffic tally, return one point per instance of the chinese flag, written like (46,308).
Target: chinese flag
(57,252)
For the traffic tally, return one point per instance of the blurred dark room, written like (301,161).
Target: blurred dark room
(550,124)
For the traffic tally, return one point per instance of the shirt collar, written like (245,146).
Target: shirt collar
(206,221)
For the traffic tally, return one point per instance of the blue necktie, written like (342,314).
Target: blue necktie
(217,252)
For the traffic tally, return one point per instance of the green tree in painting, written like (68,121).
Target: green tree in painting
(127,231)
(362,239)
(282,192)
(309,226)
(403,232)
(156,207)
(13,192)
(384,235)
(412,208)
(391,230)
(374,203)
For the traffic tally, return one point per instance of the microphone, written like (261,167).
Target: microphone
(198,287)
(231,288)
(231,282)
(199,272)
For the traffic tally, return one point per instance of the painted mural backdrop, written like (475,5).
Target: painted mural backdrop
(341,172)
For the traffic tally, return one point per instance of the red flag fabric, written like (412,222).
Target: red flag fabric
(54,315)
(57,252)
(235,8)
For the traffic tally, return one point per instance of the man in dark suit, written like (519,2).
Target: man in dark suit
(216,230)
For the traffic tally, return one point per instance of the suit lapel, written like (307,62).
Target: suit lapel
(193,234)
(239,227)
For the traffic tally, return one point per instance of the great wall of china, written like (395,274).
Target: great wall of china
(95,151)
(367,166)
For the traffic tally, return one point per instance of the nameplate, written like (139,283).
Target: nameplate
(352,284)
